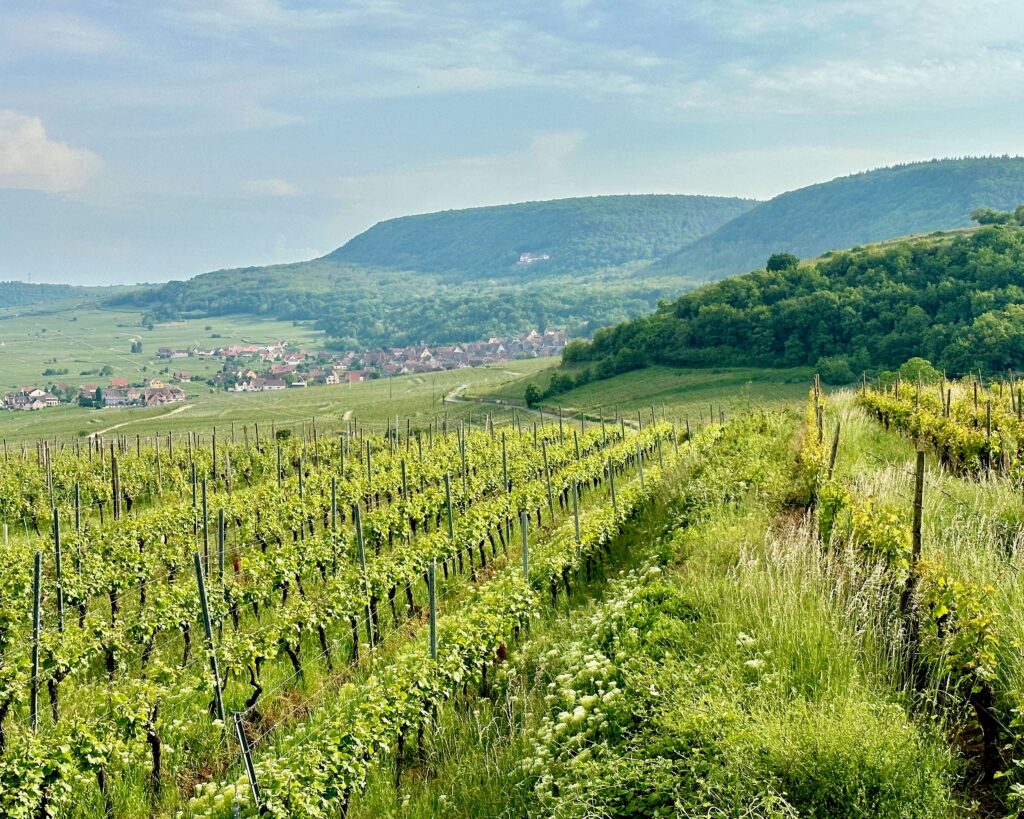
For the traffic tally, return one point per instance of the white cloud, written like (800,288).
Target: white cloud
(271,187)
(30,160)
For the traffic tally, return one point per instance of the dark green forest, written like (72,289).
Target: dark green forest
(956,299)
(859,209)
(577,234)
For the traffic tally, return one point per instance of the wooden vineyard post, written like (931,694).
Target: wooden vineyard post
(206,530)
(640,464)
(208,628)
(432,599)
(547,476)
(59,575)
(357,517)
(115,483)
(302,489)
(334,502)
(576,512)
(835,451)
(221,537)
(280,474)
(611,483)
(451,520)
(159,473)
(504,462)
(78,507)
(915,547)
(250,770)
(33,701)
(523,523)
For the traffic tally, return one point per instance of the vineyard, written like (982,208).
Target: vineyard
(163,604)
(780,614)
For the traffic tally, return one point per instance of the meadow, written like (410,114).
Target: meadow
(87,339)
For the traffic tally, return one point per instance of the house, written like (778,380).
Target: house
(355,376)
(275,384)
(182,377)
(532,258)
(164,352)
(17,401)
(116,397)
(118,383)
(298,382)
(155,383)
(158,396)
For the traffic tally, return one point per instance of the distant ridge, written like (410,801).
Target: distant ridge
(853,210)
(579,264)
(574,234)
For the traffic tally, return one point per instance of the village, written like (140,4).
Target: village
(279,366)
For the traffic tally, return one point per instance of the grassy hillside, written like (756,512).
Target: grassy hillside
(955,299)
(859,209)
(672,391)
(577,234)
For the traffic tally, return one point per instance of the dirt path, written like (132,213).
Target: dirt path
(453,396)
(174,411)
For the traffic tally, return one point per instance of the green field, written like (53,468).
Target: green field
(87,338)
(679,392)
(371,403)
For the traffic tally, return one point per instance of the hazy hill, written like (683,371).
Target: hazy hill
(852,210)
(23,294)
(957,299)
(456,276)
(576,234)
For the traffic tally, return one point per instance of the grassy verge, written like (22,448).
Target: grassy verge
(720,675)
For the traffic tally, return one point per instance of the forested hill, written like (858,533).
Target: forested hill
(574,234)
(457,276)
(23,294)
(956,299)
(859,209)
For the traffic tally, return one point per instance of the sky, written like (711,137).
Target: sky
(147,141)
